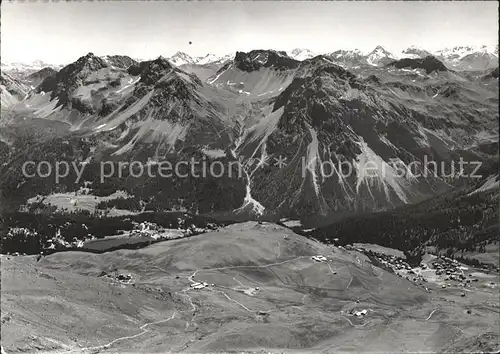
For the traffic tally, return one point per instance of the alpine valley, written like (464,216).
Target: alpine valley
(334,109)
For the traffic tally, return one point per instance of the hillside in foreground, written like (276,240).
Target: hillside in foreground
(246,287)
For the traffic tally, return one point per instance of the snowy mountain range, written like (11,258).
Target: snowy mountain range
(301,54)
(414,52)
(462,51)
(458,57)
(469,57)
(263,104)
(380,56)
(181,58)
(35,65)
(18,69)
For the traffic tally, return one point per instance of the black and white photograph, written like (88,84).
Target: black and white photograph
(249,177)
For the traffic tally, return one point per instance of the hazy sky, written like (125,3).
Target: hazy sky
(61,32)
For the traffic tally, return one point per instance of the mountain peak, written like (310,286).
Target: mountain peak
(414,52)
(256,59)
(207,59)
(181,58)
(89,62)
(120,61)
(299,50)
(469,57)
(161,60)
(160,72)
(380,49)
(379,56)
(308,66)
(156,65)
(429,64)
(181,54)
(412,48)
(346,53)
(47,71)
(462,47)
(301,54)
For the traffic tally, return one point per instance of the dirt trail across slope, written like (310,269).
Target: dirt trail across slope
(247,287)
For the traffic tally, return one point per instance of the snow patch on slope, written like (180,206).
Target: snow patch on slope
(263,129)
(313,159)
(493,182)
(377,55)
(372,170)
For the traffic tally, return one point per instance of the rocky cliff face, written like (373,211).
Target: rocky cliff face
(429,64)
(12,90)
(69,78)
(257,59)
(119,61)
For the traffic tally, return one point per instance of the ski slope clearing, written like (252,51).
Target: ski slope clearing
(247,287)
